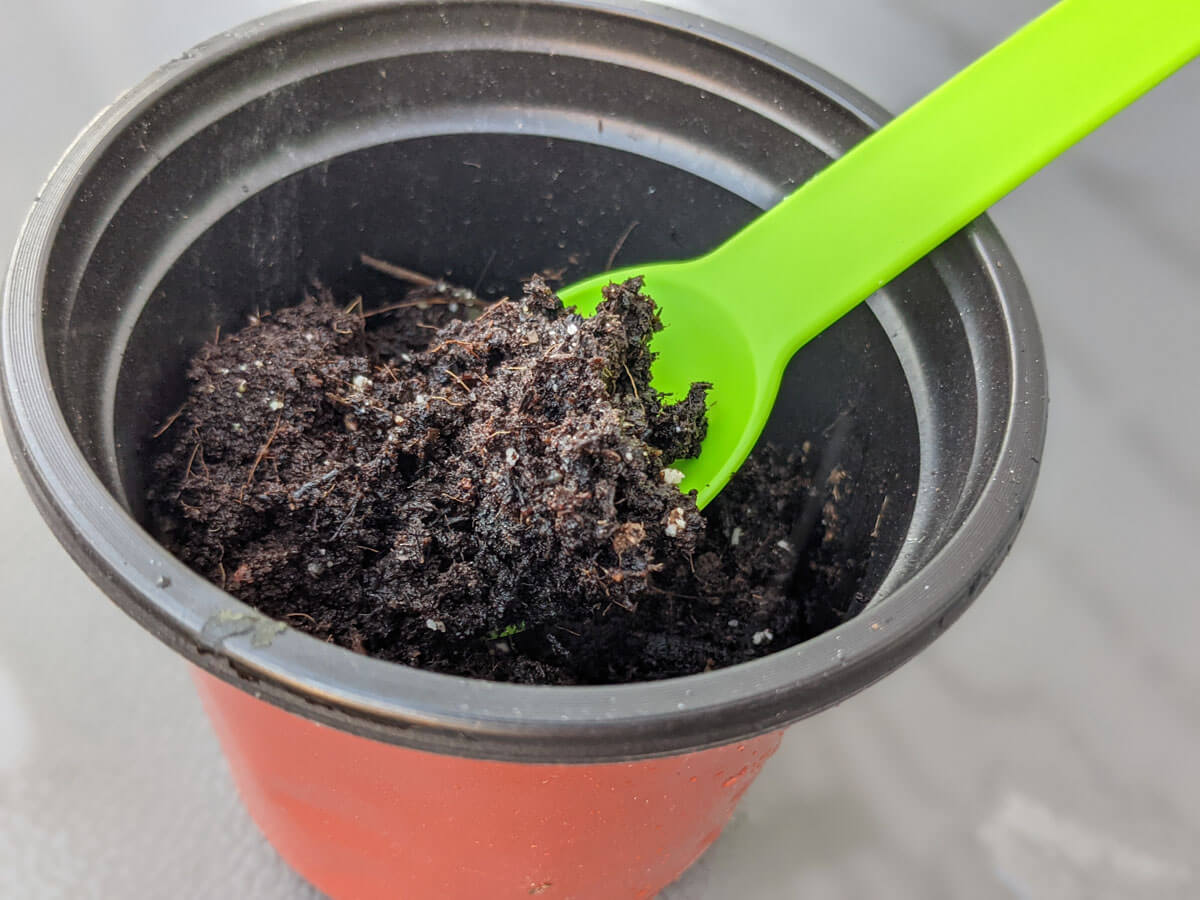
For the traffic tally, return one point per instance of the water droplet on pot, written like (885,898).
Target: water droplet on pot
(734,778)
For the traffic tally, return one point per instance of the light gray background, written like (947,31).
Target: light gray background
(1046,747)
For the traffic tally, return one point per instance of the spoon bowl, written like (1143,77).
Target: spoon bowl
(702,340)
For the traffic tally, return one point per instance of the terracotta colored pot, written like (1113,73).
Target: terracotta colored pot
(488,139)
(363,819)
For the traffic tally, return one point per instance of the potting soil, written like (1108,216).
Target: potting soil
(487,490)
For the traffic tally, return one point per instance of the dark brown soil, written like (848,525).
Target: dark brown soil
(486,491)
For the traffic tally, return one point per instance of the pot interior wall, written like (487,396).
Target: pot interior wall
(486,149)
(489,210)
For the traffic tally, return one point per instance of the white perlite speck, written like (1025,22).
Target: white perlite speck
(510,456)
(736,537)
(435,624)
(274,404)
(672,476)
(763,637)
(676,522)
(572,328)
(361,382)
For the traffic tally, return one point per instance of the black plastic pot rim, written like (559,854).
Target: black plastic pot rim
(461,716)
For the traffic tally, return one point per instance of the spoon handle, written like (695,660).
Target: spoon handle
(930,171)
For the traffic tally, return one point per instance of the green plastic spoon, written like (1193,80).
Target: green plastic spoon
(736,316)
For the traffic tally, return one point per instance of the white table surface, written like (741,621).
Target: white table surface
(1046,747)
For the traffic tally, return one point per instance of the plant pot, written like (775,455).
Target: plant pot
(487,140)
